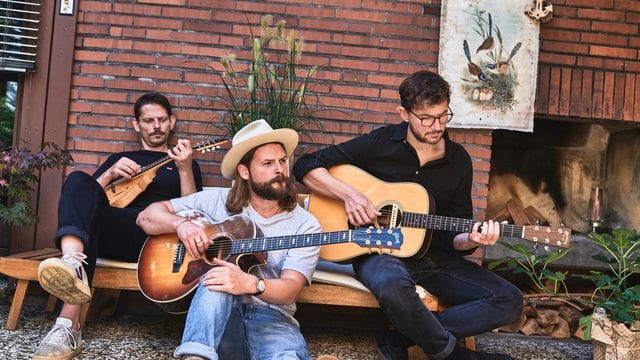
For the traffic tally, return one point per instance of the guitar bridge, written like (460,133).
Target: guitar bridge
(178,256)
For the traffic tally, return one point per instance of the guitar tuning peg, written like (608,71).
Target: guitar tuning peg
(535,246)
(546,247)
(537,222)
(559,250)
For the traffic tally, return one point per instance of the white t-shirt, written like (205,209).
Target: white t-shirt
(298,221)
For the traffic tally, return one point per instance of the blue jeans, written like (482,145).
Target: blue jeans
(219,326)
(105,231)
(480,300)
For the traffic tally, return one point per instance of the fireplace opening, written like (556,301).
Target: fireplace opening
(583,175)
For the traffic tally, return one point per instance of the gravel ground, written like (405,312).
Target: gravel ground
(152,334)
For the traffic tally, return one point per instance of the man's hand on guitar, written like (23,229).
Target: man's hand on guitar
(228,277)
(123,168)
(182,154)
(193,237)
(360,209)
(488,236)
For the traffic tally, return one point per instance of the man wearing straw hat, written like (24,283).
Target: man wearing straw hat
(227,299)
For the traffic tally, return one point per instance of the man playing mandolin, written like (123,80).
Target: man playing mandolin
(88,227)
(231,306)
(419,150)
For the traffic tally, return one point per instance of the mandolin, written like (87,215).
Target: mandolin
(122,192)
(410,210)
(167,274)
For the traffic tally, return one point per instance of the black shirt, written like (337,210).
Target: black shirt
(385,154)
(166,184)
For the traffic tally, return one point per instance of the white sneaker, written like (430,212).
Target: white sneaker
(65,278)
(61,343)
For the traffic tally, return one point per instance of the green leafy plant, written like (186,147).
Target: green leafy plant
(615,290)
(270,88)
(18,170)
(536,267)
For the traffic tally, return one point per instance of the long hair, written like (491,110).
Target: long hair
(240,191)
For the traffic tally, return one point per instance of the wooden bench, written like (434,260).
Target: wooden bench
(122,276)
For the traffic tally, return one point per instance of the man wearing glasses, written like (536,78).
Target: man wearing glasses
(419,150)
(88,227)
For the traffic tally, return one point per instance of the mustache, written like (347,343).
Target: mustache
(158,132)
(279,178)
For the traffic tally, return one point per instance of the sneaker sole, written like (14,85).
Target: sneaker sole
(70,356)
(57,279)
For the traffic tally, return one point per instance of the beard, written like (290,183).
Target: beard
(269,191)
(428,137)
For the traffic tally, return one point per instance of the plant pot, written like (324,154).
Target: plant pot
(612,340)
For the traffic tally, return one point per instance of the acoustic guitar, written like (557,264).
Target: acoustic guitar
(122,192)
(410,210)
(167,274)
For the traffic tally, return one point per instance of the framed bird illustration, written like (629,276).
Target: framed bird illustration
(489,54)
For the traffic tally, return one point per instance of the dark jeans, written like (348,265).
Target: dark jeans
(105,231)
(480,300)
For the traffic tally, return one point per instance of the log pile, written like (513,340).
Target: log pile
(550,316)
(515,213)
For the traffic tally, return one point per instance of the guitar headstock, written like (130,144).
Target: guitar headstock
(210,145)
(381,238)
(558,236)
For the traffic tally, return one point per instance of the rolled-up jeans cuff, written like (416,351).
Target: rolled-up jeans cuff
(194,348)
(447,349)
(71,230)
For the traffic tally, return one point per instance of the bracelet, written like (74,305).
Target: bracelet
(180,222)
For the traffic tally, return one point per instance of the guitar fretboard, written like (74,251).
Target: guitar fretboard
(246,246)
(436,222)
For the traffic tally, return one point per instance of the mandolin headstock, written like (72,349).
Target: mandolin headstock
(209,145)
(559,236)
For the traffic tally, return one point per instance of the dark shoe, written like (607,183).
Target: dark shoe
(388,349)
(461,353)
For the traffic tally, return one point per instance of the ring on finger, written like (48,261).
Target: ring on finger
(197,240)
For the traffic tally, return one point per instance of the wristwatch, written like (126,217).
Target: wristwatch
(260,287)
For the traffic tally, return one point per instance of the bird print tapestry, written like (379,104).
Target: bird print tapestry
(489,54)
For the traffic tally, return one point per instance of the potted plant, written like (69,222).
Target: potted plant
(270,88)
(19,170)
(614,326)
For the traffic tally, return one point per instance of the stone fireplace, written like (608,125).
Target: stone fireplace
(557,169)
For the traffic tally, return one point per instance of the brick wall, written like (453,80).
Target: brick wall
(589,61)
(363,50)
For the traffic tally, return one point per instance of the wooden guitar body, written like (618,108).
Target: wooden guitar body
(407,197)
(166,274)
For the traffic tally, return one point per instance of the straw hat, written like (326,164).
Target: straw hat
(252,135)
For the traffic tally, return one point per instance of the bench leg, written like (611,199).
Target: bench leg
(51,303)
(16,304)
(470,343)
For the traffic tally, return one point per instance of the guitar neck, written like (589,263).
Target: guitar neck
(246,246)
(437,222)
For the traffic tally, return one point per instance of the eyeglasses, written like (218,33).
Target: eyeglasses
(428,120)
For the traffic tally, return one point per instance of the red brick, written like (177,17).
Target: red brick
(556,59)
(162,23)
(111,19)
(323,24)
(104,70)
(354,64)
(613,52)
(559,35)
(87,81)
(132,58)
(604,39)
(156,73)
(86,55)
(631,5)
(103,146)
(94,6)
(600,14)
(165,2)
(611,27)
(601,63)
(564,47)
(590,3)
(629,96)
(137,9)
(103,95)
(261,7)
(183,13)
(131,84)
(608,95)
(93,29)
(584,25)
(565,92)
(79,107)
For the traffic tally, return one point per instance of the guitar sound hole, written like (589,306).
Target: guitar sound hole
(220,249)
(385,220)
